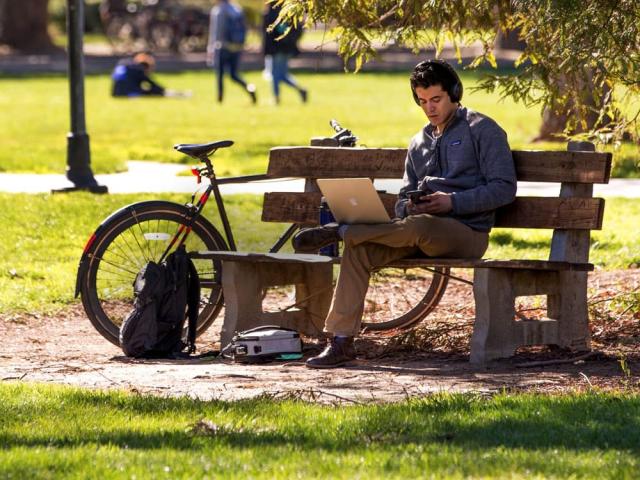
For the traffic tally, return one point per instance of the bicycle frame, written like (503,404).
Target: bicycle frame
(184,230)
(213,187)
(343,138)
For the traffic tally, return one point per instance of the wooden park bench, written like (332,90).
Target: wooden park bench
(497,333)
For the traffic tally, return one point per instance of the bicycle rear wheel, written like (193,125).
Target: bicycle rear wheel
(402,297)
(129,239)
(397,298)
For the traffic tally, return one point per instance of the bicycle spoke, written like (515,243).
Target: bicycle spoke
(135,237)
(143,242)
(119,256)
(117,266)
(157,245)
(116,276)
(156,254)
(130,242)
(139,253)
(147,242)
(134,245)
(131,257)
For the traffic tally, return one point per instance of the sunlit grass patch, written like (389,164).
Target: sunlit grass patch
(62,432)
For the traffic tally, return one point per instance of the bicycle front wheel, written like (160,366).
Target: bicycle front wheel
(128,240)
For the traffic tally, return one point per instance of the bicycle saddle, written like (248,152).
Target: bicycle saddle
(197,150)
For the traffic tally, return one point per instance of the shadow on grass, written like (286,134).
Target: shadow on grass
(530,422)
(507,238)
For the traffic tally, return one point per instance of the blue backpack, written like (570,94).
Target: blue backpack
(235,29)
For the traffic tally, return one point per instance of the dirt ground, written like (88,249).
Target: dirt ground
(65,349)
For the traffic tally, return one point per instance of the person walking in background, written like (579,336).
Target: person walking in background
(227,33)
(130,77)
(278,51)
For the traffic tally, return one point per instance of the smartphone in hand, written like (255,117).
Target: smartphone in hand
(414,195)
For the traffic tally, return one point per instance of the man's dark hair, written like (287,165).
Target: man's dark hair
(436,72)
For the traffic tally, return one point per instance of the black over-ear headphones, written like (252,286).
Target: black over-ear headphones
(455,89)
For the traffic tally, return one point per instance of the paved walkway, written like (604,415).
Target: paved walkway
(162,177)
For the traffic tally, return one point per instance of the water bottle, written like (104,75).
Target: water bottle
(327,217)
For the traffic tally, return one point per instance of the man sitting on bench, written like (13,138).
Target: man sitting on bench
(461,164)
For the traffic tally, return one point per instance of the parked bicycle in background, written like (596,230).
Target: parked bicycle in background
(155,25)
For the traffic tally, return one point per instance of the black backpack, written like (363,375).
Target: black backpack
(166,294)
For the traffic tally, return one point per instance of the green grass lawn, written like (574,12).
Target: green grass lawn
(43,237)
(56,432)
(377,107)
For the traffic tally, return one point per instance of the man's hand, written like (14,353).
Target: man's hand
(433,203)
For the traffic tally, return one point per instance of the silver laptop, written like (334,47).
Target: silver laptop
(353,200)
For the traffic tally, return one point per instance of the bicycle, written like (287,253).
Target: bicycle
(159,26)
(150,230)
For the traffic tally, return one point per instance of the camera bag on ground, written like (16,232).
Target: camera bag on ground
(165,295)
(263,344)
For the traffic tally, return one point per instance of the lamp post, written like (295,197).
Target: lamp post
(78,152)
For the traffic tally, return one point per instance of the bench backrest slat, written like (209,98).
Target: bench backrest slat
(333,162)
(525,212)
(557,166)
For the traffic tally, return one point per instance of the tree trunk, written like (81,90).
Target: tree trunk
(510,40)
(23,26)
(554,124)
(552,128)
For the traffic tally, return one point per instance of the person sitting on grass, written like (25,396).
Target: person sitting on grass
(130,77)
(461,165)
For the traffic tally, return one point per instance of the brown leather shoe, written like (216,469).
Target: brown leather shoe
(310,240)
(338,352)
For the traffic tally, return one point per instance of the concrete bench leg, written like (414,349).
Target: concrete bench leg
(569,308)
(494,335)
(243,284)
(242,299)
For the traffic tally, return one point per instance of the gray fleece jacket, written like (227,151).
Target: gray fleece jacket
(471,160)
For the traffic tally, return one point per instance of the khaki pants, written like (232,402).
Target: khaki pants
(369,246)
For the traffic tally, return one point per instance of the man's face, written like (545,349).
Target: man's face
(436,104)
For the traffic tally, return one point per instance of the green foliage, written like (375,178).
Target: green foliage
(43,237)
(582,58)
(56,432)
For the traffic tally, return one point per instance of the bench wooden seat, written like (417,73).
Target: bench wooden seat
(252,257)
(497,282)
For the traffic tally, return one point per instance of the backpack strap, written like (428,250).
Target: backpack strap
(193,304)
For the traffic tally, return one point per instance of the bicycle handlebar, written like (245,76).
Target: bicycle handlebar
(344,137)
(335,125)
